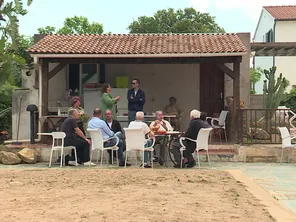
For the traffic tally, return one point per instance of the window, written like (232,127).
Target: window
(269,36)
(90,73)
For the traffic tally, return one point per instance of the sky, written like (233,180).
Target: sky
(116,15)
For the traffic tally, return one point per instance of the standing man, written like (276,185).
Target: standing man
(136,100)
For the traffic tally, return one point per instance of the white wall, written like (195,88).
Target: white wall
(57,85)
(285,31)
(266,22)
(20,100)
(162,81)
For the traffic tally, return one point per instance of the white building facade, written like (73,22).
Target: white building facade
(276,24)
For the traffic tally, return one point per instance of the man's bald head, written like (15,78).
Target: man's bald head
(97,112)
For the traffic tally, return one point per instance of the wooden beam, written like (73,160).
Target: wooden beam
(236,99)
(45,67)
(226,70)
(44,97)
(102,73)
(236,85)
(178,60)
(56,69)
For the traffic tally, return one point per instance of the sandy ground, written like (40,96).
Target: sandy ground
(125,195)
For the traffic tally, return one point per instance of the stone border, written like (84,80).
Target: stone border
(276,210)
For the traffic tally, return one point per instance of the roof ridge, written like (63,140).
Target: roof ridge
(278,6)
(169,43)
(141,34)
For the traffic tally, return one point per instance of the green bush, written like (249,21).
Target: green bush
(290,100)
(5,106)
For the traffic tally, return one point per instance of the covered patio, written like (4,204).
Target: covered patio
(191,67)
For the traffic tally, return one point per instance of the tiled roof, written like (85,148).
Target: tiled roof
(282,12)
(122,44)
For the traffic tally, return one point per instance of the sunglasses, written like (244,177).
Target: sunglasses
(133,83)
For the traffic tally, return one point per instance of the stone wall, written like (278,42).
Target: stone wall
(256,101)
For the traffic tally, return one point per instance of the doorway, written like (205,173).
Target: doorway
(211,89)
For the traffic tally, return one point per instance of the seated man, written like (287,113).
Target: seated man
(173,109)
(203,117)
(75,137)
(161,124)
(138,123)
(194,126)
(115,126)
(97,123)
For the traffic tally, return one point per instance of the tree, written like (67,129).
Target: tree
(16,71)
(47,30)
(290,100)
(255,76)
(9,44)
(75,25)
(181,21)
(10,31)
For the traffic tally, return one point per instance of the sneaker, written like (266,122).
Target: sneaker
(89,163)
(72,163)
(191,164)
(146,165)
(122,164)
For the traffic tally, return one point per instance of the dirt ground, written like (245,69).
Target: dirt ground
(125,195)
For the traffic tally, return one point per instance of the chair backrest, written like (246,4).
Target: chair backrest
(97,140)
(57,137)
(134,138)
(222,118)
(203,138)
(286,138)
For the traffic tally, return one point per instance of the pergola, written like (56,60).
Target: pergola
(274,48)
(216,49)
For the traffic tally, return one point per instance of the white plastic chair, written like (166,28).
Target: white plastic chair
(135,141)
(56,137)
(286,140)
(221,123)
(202,143)
(97,143)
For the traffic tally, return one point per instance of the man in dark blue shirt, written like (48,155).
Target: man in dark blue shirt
(136,100)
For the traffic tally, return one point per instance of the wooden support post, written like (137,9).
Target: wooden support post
(102,78)
(236,99)
(45,80)
(44,97)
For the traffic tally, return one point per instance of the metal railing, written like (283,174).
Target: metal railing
(257,126)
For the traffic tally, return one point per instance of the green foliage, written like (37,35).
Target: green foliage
(47,30)
(6,91)
(75,25)
(181,21)
(7,62)
(24,44)
(11,55)
(290,100)
(255,76)
(274,90)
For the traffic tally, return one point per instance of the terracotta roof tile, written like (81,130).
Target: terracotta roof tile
(282,12)
(139,44)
